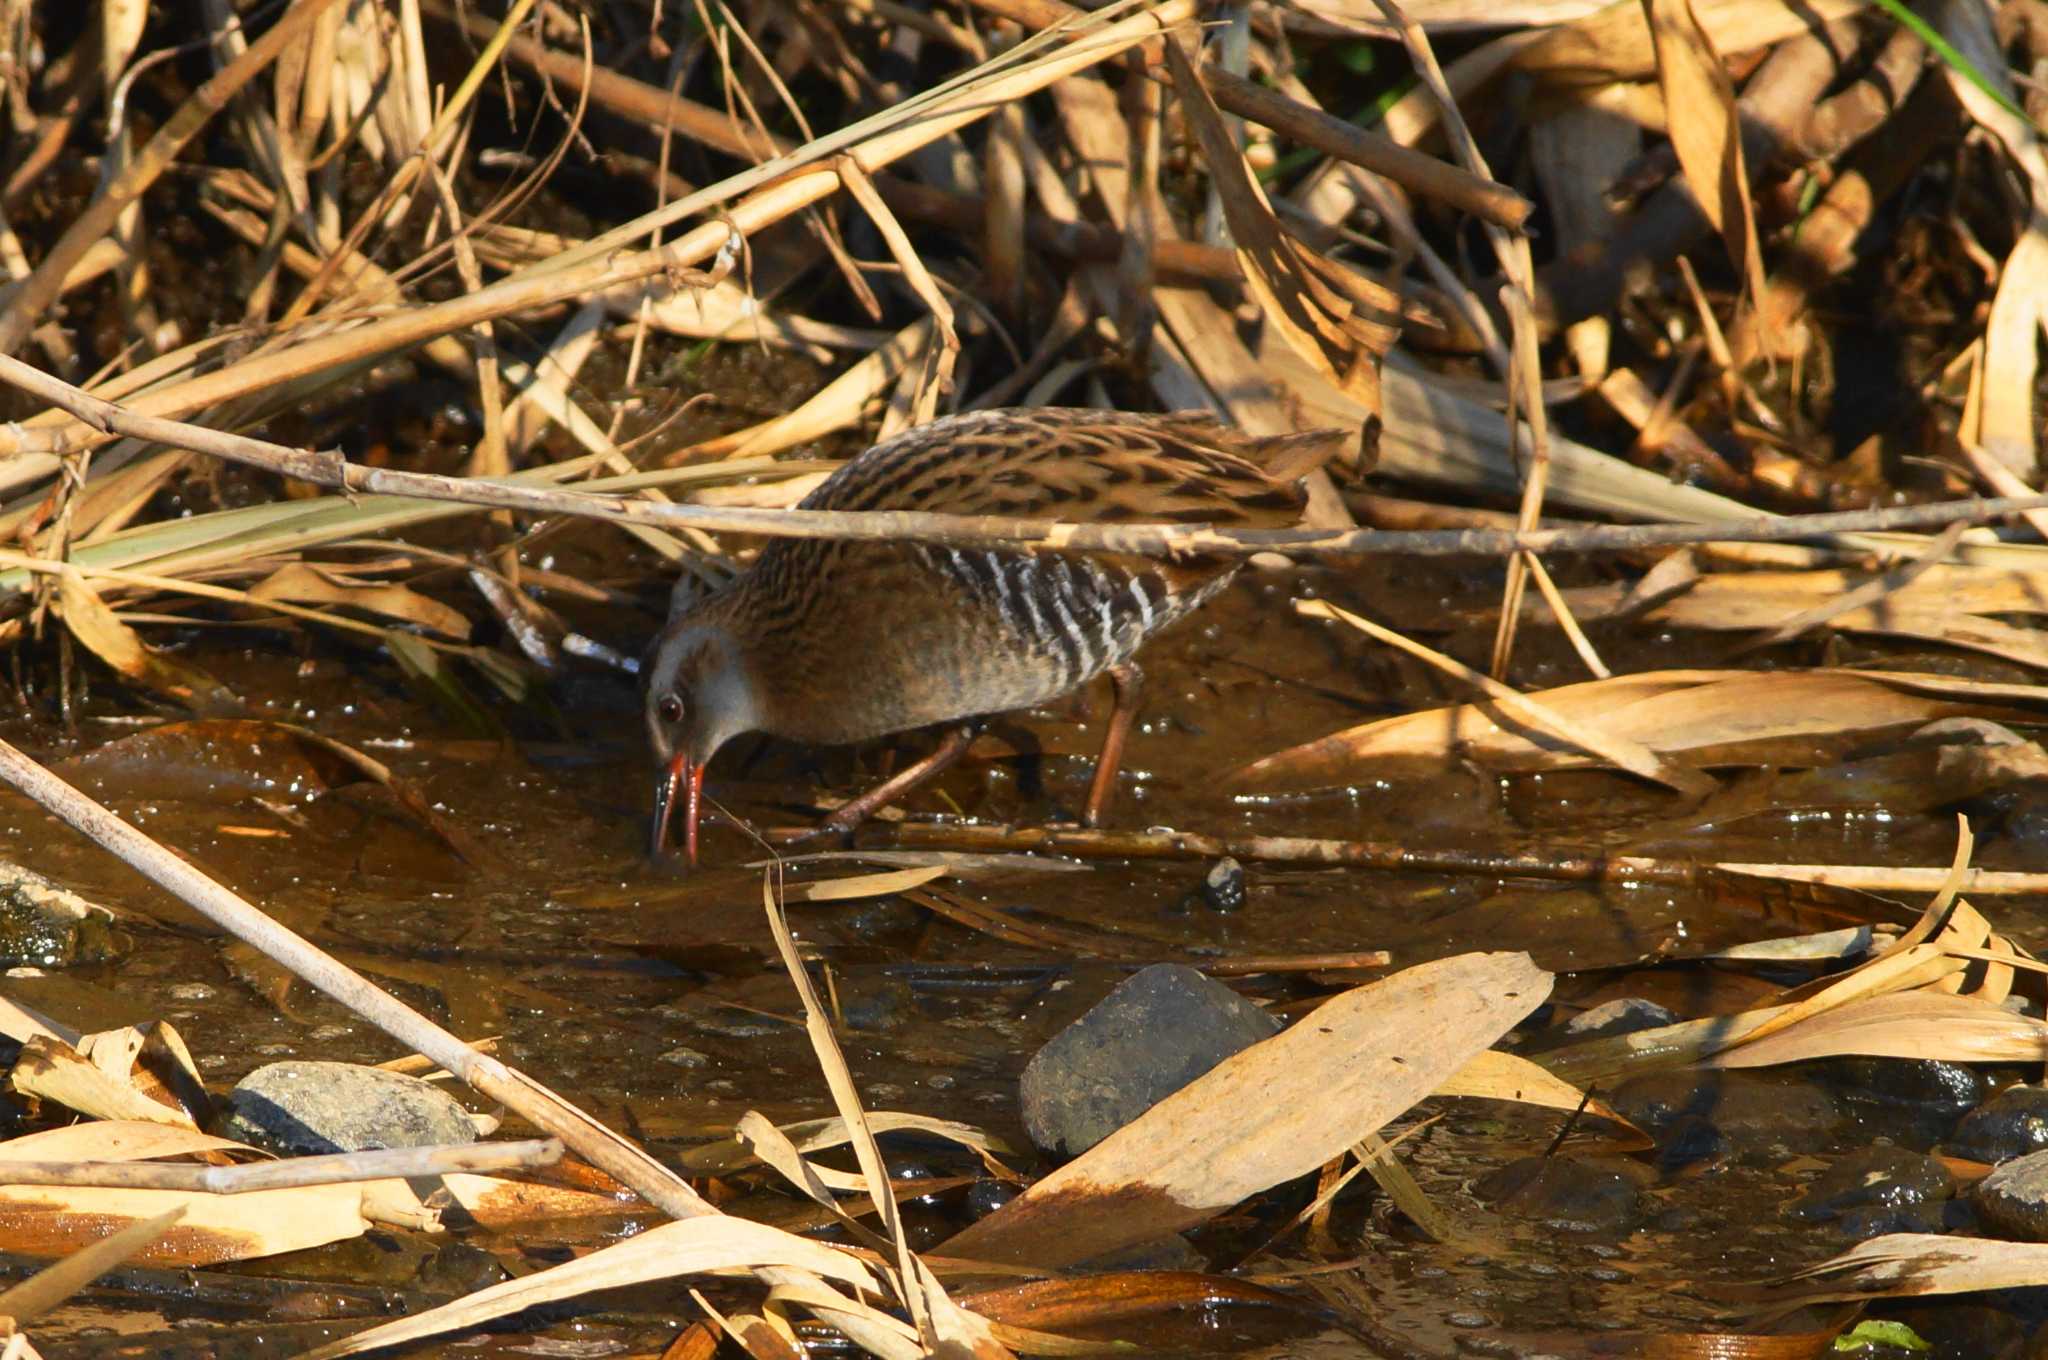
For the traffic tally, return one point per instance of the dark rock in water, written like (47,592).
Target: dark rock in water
(43,925)
(1758,1117)
(1688,1140)
(1623,1015)
(315,1107)
(2014,1198)
(1576,1194)
(986,1196)
(1156,1032)
(1875,1178)
(456,1269)
(1909,1100)
(1931,1216)
(1223,886)
(2011,1124)
(873,1002)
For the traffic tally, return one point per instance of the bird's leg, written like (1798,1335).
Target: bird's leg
(1125,682)
(853,812)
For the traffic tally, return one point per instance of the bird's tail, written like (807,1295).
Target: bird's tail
(1290,457)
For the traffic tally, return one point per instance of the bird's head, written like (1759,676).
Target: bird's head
(698,698)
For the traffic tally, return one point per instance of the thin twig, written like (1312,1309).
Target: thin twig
(332,1169)
(1390,857)
(329,468)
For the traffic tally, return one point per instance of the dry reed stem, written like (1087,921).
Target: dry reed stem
(778,190)
(1481,196)
(1392,857)
(35,293)
(291,1172)
(985,531)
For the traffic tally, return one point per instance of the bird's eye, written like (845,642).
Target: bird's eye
(670,709)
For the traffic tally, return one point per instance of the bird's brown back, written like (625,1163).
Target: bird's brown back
(901,634)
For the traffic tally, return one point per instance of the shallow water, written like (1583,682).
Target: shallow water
(650,996)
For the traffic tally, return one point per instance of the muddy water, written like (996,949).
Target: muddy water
(651,998)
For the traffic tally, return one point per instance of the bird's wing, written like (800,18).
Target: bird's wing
(1084,466)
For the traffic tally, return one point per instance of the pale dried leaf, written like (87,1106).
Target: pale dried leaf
(1903,1265)
(693,1247)
(59,1073)
(863,885)
(46,1289)
(304,583)
(1706,131)
(1585,733)
(1613,43)
(1920,1024)
(1704,716)
(1277,1110)
(1339,321)
(114,642)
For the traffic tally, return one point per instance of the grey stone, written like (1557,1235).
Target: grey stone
(1160,1029)
(315,1107)
(2014,1198)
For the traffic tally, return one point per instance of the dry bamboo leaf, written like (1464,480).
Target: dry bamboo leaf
(1275,1111)
(304,583)
(693,1247)
(1613,43)
(504,1205)
(1920,1024)
(1619,1057)
(1340,322)
(1706,131)
(121,25)
(57,1220)
(115,643)
(46,1289)
(1494,1075)
(863,885)
(110,1086)
(120,1140)
(1702,716)
(727,311)
(773,1150)
(1904,1265)
(22,1023)
(1824,946)
(817,1135)
(1451,16)
(1944,604)
(1438,435)
(1124,1297)
(1586,734)
(942,1325)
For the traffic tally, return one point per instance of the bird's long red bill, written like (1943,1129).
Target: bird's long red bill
(680,777)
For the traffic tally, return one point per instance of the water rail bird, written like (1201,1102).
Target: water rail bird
(835,641)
